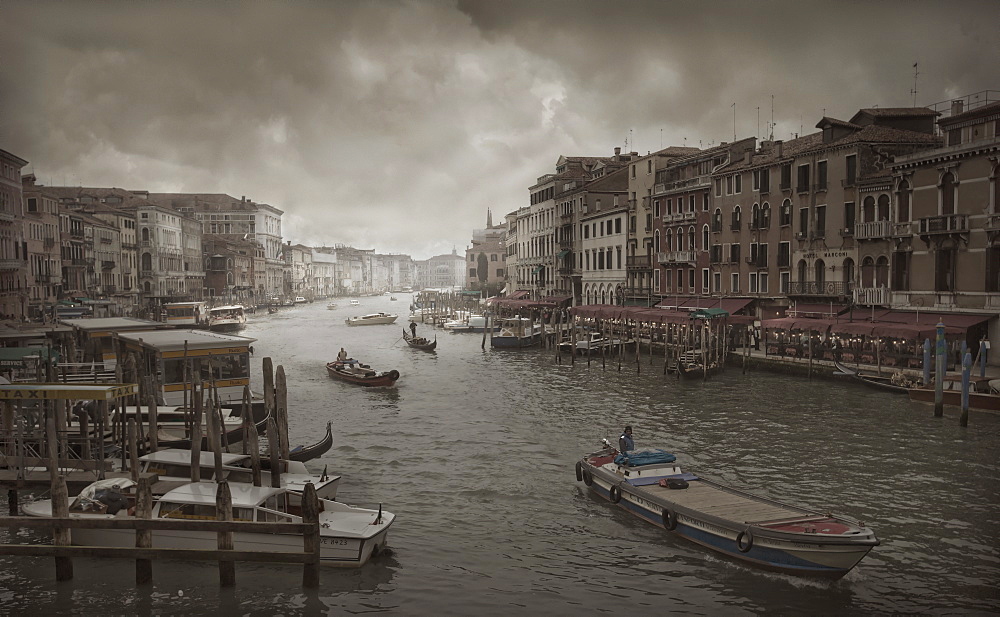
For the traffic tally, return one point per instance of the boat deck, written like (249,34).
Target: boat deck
(711,499)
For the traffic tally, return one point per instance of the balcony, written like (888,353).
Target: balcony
(566,217)
(872,296)
(107,265)
(82,261)
(76,233)
(674,257)
(946,224)
(105,240)
(902,230)
(638,262)
(873,230)
(145,273)
(566,271)
(809,288)
(992,222)
(12,264)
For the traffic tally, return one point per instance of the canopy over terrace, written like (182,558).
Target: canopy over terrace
(515,304)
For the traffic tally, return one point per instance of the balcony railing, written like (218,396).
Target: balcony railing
(12,264)
(872,296)
(566,217)
(145,273)
(76,233)
(672,257)
(902,230)
(873,230)
(993,222)
(945,224)
(82,261)
(105,240)
(566,271)
(811,288)
(638,261)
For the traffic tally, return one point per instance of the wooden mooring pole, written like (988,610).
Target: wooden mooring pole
(224,512)
(60,535)
(143,537)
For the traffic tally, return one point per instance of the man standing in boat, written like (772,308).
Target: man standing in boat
(342,355)
(625,442)
(413,328)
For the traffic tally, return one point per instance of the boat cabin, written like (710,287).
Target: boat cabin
(165,353)
(186,314)
(196,501)
(96,337)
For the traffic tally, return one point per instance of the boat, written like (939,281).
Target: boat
(419,342)
(593,344)
(302,454)
(372,319)
(349,535)
(758,530)
(331,306)
(896,382)
(231,435)
(691,366)
(229,318)
(984,393)
(300,300)
(468,323)
(517,332)
(172,423)
(173,466)
(355,302)
(352,371)
(392,298)
(186,314)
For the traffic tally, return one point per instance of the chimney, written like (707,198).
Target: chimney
(243,199)
(618,151)
(778,144)
(957,106)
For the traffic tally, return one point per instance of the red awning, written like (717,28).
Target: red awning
(805,309)
(519,294)
(733,305)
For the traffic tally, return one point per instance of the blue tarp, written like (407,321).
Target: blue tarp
(638,458)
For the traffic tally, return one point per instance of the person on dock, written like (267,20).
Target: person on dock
(342,356)
(625,442)
(413,328)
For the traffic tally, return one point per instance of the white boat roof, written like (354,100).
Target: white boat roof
(374,315)
(173,340)
(182,304)
(176,456)
(228,307)
(244,495)
(89,324)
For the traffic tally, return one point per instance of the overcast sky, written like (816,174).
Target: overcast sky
(396,125)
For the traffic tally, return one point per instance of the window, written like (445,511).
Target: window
(948,193)
(852,170)
(704,197)
(715,255)
(804,222)
(901,271)
(717,221)
(784,282)
(739,183)
(752,287)
(633,171)
(668,278)
(883,208)
(786,213)
(691,280)
(954,137)
(786,176)
(762,283)
(718,187)
(717,282)
(944,270)
(868,209)
(734,282)
(704,280)
(784,254)
(493,257)
(820,221)
(849,218)
(736,218)
(691,206)
(734,253)
(903,202)
(649,166)
(992,267)
(656,208)
(618,225)
(802,185)
(32,204)
(472,257)
(704,239)
(729,185)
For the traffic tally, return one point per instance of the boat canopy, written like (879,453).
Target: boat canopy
(638,458)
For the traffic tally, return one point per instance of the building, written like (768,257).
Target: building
(13,251)
(603,236)
(229,267)
(440,272)
(41,235)
(486,257)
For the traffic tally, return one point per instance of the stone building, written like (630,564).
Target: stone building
(486,257)
(13,250)
(41,234)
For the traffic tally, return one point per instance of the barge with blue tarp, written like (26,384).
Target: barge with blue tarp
(755,529)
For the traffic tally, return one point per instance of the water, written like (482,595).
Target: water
(474,450)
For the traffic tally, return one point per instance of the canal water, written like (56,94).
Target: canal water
(474,450)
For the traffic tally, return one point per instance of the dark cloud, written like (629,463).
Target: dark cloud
(395,125)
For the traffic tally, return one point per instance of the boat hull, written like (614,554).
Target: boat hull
(878,383)
(768,547)
(379,380)
(977,400)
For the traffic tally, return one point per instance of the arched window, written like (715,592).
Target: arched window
(656,240)
(691,246)
(704,238)
(803,270)
(883,207)
(868,272)
(765,215)
(819,269)
(786,212)
(882,272)
(736,219)
(717,220)
(948,193)
(680,239)
(755,217)
(669,246)
(849,270)
(147,261)
(868,210)
(903,202)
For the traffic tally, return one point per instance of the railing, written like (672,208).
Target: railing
(76,233)
(12,264)
(638,261)
(945,224)
(872,230)
(809,288)
(81,261)
(105,240)
(675,257)
(566,217)
(872,296)
(145,273)
(901,230)
(992,222)
(566,271)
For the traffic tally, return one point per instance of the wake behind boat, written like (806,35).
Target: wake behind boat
(755,529)
(373,319)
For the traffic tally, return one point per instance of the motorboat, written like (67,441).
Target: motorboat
(173,465)
(593,344)
(355,302)
(172,422)
(517,332)
(469,323)
(759,530)
(300,300)
(229,318)
(349,535)
(984,392)
(355,372)
(372,319)
(331,306)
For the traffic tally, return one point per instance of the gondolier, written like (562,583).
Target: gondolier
(625,442)
(413,328)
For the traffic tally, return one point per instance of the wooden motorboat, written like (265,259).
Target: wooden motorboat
(352,371)
(896,382)
(983,394)
(349,535)
(755,529)
(372,319)
(419,342)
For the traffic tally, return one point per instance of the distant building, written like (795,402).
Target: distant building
(13,254)
(441,272)
(487,248)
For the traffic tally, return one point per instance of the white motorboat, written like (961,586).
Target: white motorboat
(349,535)
(229,318)
(172,421)
(174,465)
(468,323)
(300,300)
(331,306)
(372,319)
(593,343)
(355,302)
(517,332)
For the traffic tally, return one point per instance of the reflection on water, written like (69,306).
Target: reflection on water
(474,450)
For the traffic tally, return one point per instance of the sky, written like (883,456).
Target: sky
(396,125)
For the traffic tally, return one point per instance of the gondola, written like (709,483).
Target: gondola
(232,437)
(304,453)
(873,381)
(688,370)
(352,371)
(419,342)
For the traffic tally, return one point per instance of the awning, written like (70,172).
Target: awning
(562,253)
(537,269)
(803,309)
(517,295)
(556,300)
(734,305)
(709,313)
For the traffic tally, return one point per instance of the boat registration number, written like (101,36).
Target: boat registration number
(333,542)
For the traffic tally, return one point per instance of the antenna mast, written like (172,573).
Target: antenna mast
(914,90)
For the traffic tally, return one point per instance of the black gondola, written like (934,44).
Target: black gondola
(304,453)
(419,342)
(873,381)
(232,437)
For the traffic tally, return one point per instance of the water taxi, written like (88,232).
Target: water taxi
(762,531)
(517,332)
(229,318)
(166,352)
(372,319)
(349,535)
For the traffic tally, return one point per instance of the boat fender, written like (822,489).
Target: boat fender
(588,479)
(744,540)
(394,374)
(669,519)
(615,493)
(579,471)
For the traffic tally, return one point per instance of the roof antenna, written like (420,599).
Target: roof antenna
(914,90)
